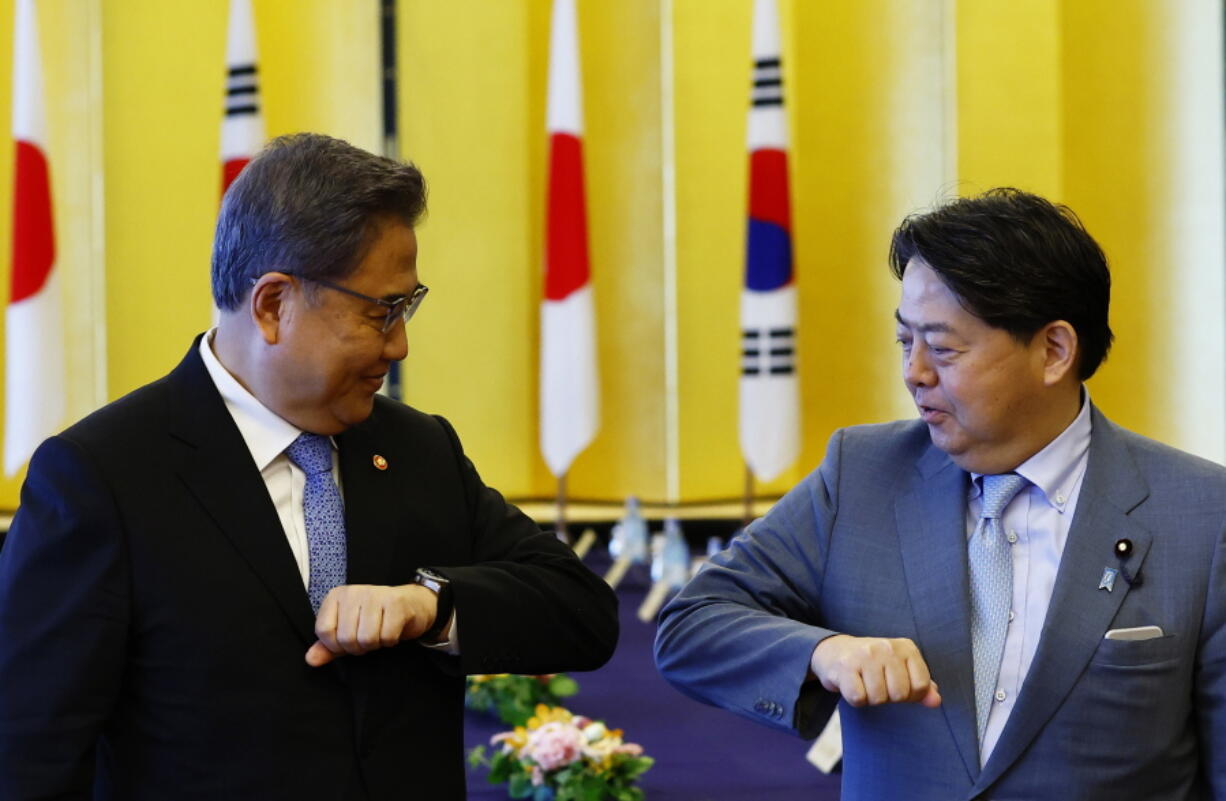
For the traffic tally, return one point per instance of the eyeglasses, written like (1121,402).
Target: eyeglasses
(402,308)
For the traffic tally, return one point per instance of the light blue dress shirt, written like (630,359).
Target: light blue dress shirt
(1036,523)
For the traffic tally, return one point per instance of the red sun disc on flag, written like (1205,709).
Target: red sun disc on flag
(33,235)
(566,258)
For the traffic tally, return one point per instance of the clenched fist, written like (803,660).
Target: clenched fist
(868,671)
(357,618)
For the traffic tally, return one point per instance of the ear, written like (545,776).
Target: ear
(270,303)
(1058,343)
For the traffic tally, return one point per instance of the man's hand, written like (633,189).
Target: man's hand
(868,671)
(357,618)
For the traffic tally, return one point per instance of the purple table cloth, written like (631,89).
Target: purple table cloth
(702,753)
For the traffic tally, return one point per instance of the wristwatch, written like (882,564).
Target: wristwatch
(440,585)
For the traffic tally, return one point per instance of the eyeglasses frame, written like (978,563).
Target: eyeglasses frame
(408,303)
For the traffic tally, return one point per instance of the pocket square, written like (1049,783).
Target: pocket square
(1135,633)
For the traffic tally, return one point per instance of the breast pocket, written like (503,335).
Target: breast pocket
(1153,653)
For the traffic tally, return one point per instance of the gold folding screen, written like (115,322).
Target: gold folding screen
(1112,107)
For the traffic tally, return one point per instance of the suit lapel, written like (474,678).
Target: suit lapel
(370,475)
(931,517)
(1080,612)
(219,472)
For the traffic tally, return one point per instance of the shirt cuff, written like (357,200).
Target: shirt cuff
(452,644)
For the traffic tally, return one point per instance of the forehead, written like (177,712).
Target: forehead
(390,261)
(926,302)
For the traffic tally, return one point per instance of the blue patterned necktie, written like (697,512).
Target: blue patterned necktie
(991,569)
(324,513)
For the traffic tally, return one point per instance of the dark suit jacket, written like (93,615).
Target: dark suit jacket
(873,543)
(152,618)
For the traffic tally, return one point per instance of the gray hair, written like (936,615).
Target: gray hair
(308,204)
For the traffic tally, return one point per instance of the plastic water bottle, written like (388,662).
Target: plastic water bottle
(676,554)
(629,538)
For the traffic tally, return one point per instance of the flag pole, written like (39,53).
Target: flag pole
(747,514)
(389,78)
(562,532)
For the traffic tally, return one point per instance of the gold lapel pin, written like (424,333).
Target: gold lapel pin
(380,462)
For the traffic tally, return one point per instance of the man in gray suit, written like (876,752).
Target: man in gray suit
(1009,598)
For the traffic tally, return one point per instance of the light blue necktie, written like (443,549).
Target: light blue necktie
(324,512)
(991,568)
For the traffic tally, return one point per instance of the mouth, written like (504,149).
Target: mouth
(375,382)
(931,414)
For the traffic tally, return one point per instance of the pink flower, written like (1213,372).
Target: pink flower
(633,749)
(554,745)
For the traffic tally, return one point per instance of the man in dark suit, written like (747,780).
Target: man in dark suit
(255,578)
(1061,579)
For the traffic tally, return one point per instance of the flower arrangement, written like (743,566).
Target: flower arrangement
(559,756)
(513,698)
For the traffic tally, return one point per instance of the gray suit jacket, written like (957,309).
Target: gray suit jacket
(873,543)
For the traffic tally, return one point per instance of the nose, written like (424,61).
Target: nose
(396,343)
(916,369)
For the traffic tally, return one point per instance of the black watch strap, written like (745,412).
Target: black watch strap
(440,585)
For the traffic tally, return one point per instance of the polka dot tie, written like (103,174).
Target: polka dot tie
(324,512)
(991,569)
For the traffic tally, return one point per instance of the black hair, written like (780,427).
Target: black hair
(1017,262)
(308,204)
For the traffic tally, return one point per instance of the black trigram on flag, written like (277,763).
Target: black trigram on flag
(242,95)
(767,83)
(768,351)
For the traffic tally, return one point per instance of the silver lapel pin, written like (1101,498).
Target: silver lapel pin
(1107,582)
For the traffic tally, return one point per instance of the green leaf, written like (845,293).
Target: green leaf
(513,711)
(520,786)
(637,766)
(590,788)
(476,758)
(563,686)
(501,767)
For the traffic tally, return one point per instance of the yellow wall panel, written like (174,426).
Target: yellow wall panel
(164,71)
(1009,105)
(892,103)
(712,100)
(1127,175)
(468,122)
(621,51)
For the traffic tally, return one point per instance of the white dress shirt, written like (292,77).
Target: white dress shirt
(1036,523)
(267,436)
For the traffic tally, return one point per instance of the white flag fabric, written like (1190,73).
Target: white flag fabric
(570,403)
(769,409)
(242,128)
(34,326)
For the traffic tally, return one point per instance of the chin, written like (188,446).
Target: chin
(357,411)
(952,447)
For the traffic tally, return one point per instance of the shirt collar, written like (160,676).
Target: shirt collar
(1055,469)
(267,435)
